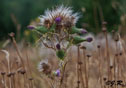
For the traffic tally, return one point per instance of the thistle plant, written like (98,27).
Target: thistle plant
(58,31)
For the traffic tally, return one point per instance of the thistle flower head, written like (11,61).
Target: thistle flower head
(61,15)
(57,73)
(44,67)
(59,32)
(40,65)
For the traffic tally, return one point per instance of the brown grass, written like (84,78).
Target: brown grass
(85,68)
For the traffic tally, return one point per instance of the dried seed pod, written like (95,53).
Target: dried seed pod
(104,26)
(9,74)
(80,63)
(120,53)
(19,71)
(12,73)
(22,72)
(98,46)
(83,47)
(30,78)
(116,54)
(111,67)
(88,55)
(3,73)
(78,82)
(45,67)
(104,78)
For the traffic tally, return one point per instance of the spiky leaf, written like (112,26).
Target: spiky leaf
(52,28)
(42,29)
(78,39)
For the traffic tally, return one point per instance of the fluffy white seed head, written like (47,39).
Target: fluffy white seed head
(65,13)
(40,65)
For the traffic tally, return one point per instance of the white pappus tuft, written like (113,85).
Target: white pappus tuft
(40,65)
(65,13)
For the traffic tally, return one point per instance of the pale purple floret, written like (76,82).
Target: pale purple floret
(58,72)
(58,20)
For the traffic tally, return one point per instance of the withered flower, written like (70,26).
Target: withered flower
(44,67)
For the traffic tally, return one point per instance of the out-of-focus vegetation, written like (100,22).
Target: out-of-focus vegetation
(98,64)
(15,15)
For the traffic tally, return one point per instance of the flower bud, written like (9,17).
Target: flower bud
(83,31)
(58,46)
(31,27)
(89,39)
(57,72)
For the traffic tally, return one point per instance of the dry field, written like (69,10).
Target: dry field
(100,64)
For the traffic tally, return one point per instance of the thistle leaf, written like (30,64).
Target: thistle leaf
(78,39)
(74,30)
(52,28)
(42,29)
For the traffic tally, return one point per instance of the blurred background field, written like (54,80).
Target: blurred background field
(15,15)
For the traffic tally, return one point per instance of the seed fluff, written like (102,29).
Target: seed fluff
(61,15)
